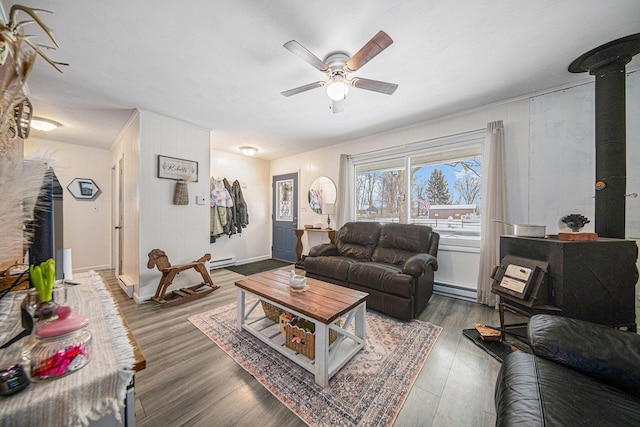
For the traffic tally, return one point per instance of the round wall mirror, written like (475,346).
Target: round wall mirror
(321,192)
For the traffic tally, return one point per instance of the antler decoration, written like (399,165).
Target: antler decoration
(10,33)
(17,56)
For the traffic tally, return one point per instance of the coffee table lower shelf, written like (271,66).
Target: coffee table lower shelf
(329,358)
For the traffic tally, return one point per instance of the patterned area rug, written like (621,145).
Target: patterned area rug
(368,391)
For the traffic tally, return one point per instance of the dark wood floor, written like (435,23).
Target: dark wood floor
(190,381)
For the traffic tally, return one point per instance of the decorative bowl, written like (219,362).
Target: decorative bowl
(296,281)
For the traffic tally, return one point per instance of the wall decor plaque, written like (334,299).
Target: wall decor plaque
(178,169)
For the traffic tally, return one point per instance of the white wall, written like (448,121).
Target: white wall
(182,231)
(309,166)
(457,266)
(254,243)
(86,223)
(151,220)
(562,147)
(538,181)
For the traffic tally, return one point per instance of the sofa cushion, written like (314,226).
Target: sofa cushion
(334,267)
(358,239)
(399,242)
(611,355)
(382,277)
(532,391)
(392,305)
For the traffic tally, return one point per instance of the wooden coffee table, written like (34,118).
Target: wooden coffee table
(322,303)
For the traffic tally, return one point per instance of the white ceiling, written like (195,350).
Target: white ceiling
(221,64)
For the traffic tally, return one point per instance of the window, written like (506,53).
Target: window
(443,188)
(446,190)
(379,191)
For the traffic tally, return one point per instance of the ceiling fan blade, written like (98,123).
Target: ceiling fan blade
(374,85)
(303,53)
(337,106)
(377,44)
(302,88)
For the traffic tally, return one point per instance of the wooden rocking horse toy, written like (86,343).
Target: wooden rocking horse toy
(159,259)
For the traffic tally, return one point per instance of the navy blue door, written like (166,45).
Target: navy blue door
(285,217)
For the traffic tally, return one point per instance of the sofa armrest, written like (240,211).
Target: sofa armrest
(608,354)
(324,249)
(417,264)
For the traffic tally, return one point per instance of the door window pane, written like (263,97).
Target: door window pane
(284,208)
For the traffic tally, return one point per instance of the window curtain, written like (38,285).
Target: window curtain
(494,208)
(346,185)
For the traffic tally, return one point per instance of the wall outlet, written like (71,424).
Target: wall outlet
(200,200)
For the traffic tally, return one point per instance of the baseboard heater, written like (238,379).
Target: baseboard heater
(222,262)
(455,291)
(126,284)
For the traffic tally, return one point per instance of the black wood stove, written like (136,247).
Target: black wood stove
(587,280)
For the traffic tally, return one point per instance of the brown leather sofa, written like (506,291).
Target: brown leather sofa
(393,263)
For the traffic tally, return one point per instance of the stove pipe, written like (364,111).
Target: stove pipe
(607,63)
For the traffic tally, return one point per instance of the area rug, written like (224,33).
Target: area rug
(496,349)
(368,391)
(259,266)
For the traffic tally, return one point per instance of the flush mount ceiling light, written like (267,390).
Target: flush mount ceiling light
(337,89)
(248,151)
(45,125)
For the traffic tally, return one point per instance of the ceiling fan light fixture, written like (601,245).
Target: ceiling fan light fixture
(248,151)
(44,125)
(337,89)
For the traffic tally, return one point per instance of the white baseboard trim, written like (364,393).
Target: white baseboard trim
(141,300)
(95,268)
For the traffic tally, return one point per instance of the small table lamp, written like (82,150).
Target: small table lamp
(328,209)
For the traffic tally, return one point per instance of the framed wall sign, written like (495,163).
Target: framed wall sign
(178,169)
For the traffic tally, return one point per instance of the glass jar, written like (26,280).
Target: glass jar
(63,346)
(36,313)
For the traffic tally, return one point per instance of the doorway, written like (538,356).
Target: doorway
(285,216)
(118,235)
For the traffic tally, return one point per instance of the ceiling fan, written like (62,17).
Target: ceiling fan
(338,66)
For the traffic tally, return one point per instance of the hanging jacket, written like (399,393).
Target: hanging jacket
(231,227)
(240,205)
(220,202)
(220,194)
(218,220)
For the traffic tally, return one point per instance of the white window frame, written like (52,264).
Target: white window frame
(439,145)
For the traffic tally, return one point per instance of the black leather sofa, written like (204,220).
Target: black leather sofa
(394,263)
(581,374)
